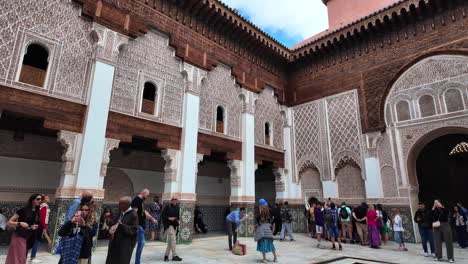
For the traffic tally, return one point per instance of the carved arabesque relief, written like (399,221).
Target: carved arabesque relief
(307,135)
(344,127)
(151,54)
(71,141)
(430,70)
(268,109)
(432,76)
(47,21)
(234,166)
(221,89)
(171,156)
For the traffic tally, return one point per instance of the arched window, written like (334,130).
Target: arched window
(220,119)
(267,134)
(453,100)
(403,111)
(35,64)
(148,104)
(427,106)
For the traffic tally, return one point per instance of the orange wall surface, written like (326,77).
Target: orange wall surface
(343,12)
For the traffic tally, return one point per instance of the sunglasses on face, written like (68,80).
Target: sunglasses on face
(39,199)
(173,199)
(85,210)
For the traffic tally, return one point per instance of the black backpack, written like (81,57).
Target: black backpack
(344,213)
(327,216)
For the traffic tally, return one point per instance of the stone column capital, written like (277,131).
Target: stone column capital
(108,43)
(108,147)
(248,99)
(171,156)
(71,141)
(234,166)
(279,180)
(371,143)
(194,77)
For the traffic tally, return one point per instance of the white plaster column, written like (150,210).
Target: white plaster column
(87,151)
(330,189)
(292,188)
(373,179)
(248,166)
(186,173)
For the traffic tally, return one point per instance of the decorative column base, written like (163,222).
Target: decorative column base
(63,199)
(57,219)
(246,229)
(186,214)
(299,223)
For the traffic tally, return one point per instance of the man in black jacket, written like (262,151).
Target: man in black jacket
(276,219)
(423,217)
(170,217)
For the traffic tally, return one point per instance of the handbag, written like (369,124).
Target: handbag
(71,248)
(436,224)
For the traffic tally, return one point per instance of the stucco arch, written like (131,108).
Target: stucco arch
(421,64)
(117,184)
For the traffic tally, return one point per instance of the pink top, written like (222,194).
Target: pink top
(371,216)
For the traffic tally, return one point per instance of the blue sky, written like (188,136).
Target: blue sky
(288,21)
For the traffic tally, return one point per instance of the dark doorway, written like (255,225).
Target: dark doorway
(440,175)
(265,182)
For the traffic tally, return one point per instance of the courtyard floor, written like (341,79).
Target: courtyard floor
(214,250)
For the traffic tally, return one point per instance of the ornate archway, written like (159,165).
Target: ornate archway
(431,171)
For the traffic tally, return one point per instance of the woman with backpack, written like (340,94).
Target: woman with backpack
(28,228)
(77,236)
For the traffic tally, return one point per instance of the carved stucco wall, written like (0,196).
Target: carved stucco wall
(149,58)
(220,89)
(432,76)
(311,183)
(307,136)
(387,167)
(350,182)
(267,109)
(344,128)
(57,25)
(327,133)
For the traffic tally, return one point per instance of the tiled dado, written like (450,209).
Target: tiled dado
(246,229)
(214,217)
(299,223)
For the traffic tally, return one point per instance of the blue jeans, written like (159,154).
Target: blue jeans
(34,249)
(426,235)
(140,245)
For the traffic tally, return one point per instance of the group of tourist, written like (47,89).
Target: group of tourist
(436,225)
(80,227)
(366,224)
(370,226)
(269,222)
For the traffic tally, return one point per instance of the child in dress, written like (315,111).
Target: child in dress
(264,234)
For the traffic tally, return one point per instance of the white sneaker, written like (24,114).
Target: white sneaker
(426,254)
(433,255)
(451,260)
(36,261)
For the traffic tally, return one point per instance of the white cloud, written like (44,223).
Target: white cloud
(296,18)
